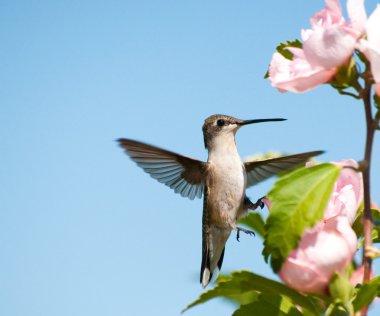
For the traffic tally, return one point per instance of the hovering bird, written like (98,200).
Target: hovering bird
(222,181)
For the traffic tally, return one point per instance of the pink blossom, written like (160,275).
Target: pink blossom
(330,245)
(327,45)
(371,46)
(331,40)
(358,275)
(268,203)
(327,248)
(296,75)
(347,193)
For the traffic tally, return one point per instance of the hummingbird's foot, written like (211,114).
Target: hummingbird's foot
(252,206)
(249,232)
(259,203)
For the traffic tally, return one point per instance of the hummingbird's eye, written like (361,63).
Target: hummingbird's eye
(220,122)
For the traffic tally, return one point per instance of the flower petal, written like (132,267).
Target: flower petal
(323,250)
(329,48)
(296,75)
(377,89)
(358,275)
(331,14)
(334,6)
(357,14)
(373,36)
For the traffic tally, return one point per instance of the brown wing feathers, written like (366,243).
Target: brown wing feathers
(182,174)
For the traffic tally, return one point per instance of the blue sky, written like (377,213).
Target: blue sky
(83,231)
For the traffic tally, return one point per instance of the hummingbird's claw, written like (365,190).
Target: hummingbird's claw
(248,232)
(252,206)
(260,203)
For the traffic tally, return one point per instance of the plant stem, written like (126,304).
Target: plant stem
(356,96)
(367,216)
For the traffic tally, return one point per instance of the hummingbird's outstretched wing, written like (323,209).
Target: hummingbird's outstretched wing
(263,169)
(184,175)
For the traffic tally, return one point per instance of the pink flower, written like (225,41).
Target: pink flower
(268,203)
(296,75)
(331,40)
(371,46)
(330,245)
(358,275)
(347,193)
(327,45)
(323,250)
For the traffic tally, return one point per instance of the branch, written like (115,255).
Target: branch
(367,216)
(356,96)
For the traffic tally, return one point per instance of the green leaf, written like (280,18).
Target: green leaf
(341,291)
(346,80)
(346,76)
(361,56)
(266,304)
(298,202)
(255,222)
(336,310)
(340,288)
(284,52)
(374,236)
(358,226)
(376,99)
(243,282)
(367,293)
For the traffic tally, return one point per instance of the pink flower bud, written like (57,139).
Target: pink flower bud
(330,245)
(358,275)
(347,194)
(323,250)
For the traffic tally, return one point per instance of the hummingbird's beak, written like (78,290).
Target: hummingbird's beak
(246,122)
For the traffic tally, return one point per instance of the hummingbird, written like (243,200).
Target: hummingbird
(222,181)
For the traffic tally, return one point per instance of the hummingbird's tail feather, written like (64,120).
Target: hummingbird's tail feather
(216,271)
(212,257)
(206,275)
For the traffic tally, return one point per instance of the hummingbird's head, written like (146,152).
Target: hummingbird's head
(222,127)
